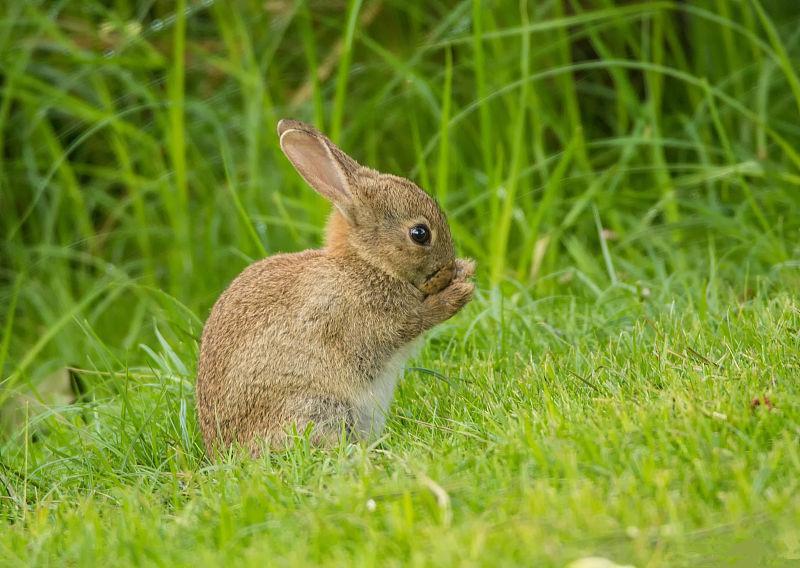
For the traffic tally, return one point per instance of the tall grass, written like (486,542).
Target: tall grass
(139,147)
(605,162)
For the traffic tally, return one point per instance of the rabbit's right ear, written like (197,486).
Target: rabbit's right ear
(324,166)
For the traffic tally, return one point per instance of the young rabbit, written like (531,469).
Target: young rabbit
(318,339)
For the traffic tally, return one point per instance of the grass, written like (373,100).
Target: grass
(624,384)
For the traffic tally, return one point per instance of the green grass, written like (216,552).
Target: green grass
(627,176)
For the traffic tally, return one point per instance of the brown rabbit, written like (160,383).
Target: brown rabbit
(318,338)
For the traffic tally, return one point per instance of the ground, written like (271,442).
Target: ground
(630,428)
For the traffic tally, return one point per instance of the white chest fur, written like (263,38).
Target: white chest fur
(372,404)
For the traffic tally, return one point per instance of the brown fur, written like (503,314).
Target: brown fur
(308,339)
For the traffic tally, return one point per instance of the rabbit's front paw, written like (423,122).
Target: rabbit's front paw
(458,294)
(449,301)
(465,269)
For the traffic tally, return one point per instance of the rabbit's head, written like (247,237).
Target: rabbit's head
(386,220)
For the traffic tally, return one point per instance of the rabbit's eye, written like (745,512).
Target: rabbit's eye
(420,234)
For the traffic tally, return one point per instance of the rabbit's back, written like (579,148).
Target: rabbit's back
(296,337)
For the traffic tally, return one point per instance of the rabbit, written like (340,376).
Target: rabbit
(315,341)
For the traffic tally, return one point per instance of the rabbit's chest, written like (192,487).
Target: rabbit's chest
(372,403)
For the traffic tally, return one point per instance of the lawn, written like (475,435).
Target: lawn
(624,384)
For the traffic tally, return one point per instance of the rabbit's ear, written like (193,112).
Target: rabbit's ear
(326,168)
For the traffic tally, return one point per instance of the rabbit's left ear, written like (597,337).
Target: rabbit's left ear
(324,166)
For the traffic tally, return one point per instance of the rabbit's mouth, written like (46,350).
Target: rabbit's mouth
(439,279)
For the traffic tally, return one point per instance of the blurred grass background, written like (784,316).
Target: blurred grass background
(140,164)
(608,163)
(139,153)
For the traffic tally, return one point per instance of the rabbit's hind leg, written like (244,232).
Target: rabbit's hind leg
(329,419)
(326,417)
